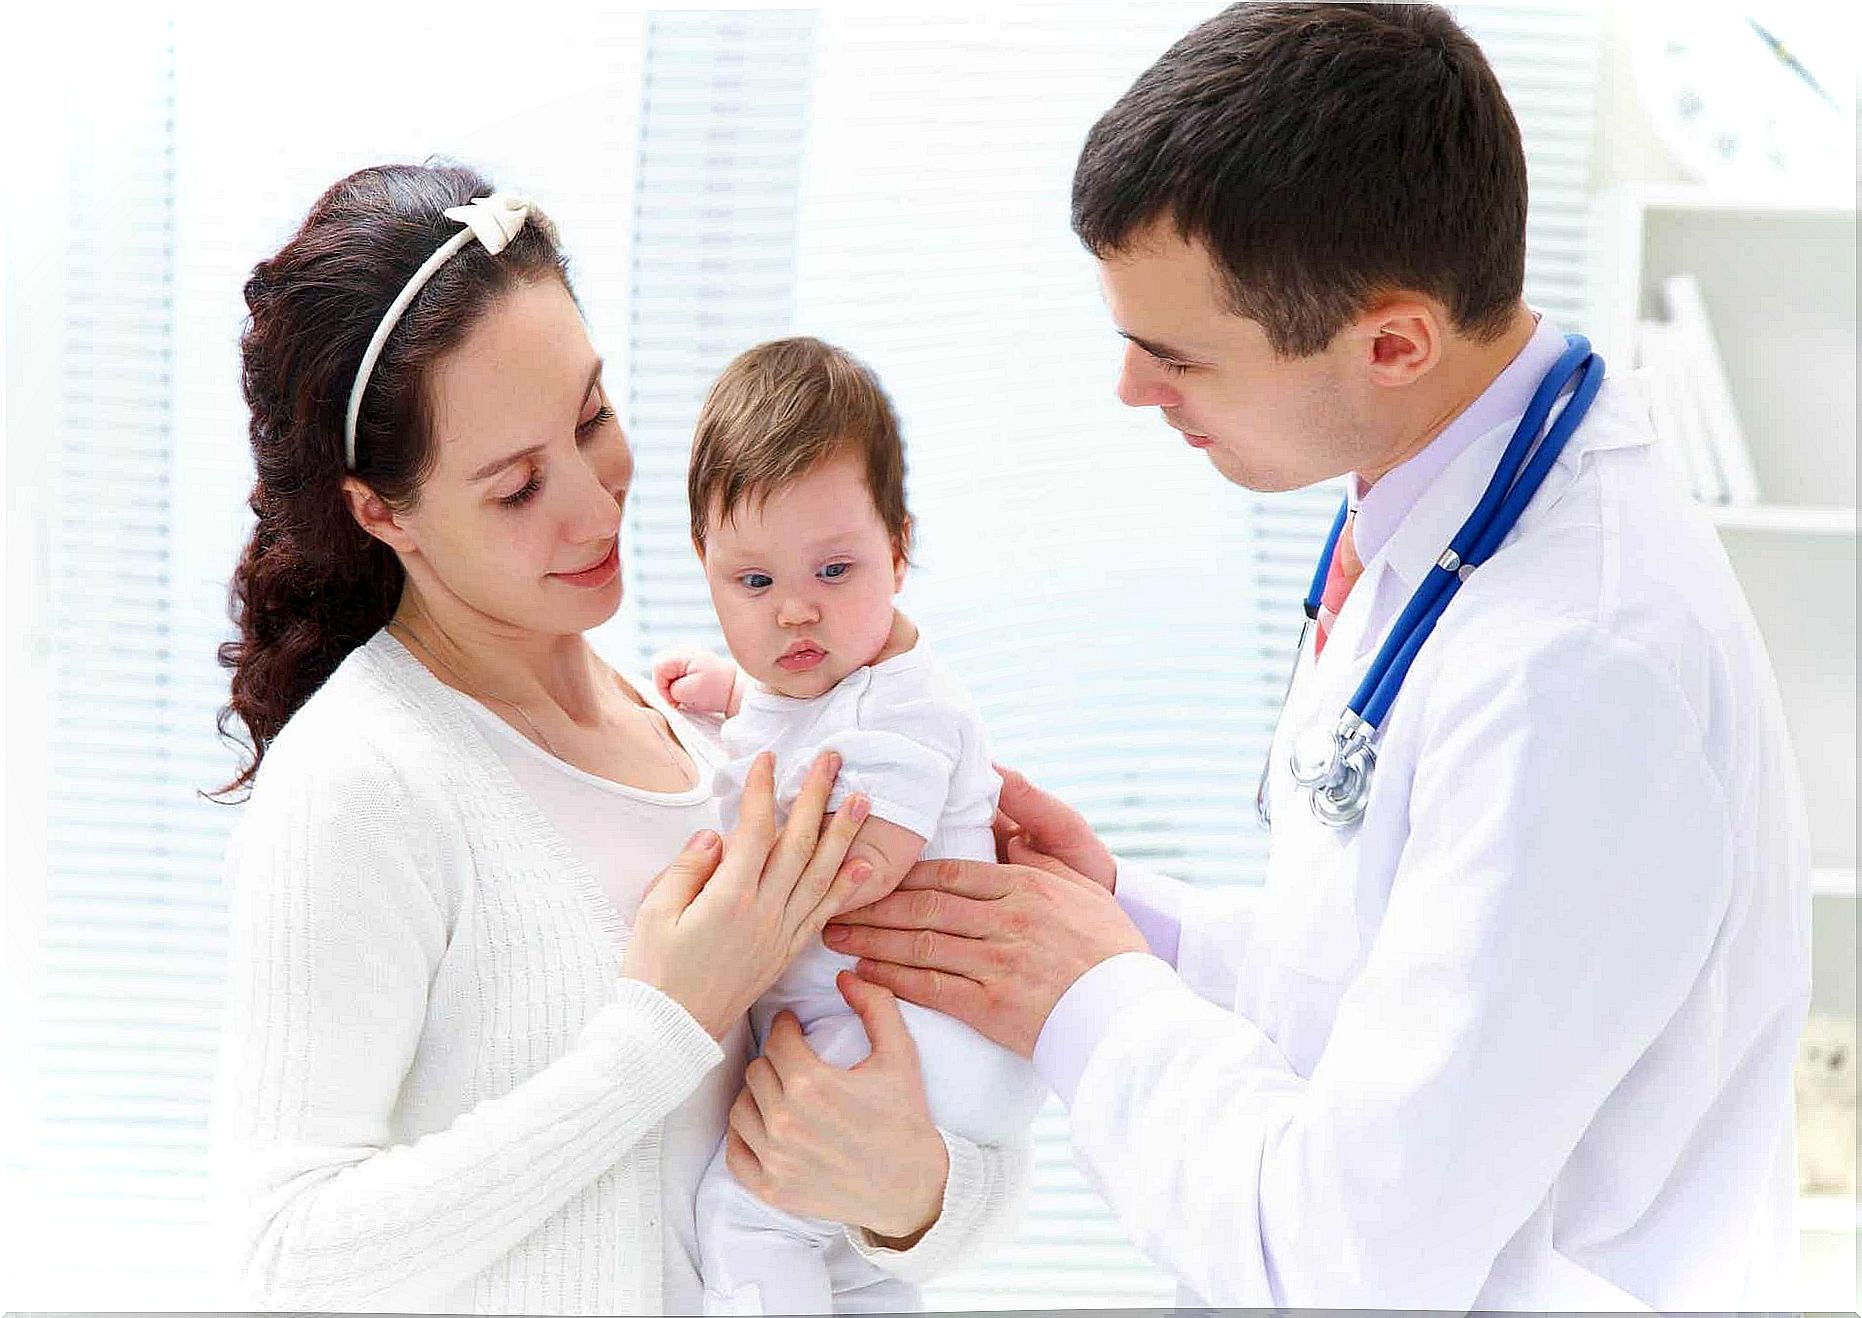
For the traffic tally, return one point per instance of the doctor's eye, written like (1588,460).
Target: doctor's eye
(1174,368)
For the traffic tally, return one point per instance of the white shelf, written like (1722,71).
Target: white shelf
(1829,1213)
(1784,519)
(1687,197)
(1833,881)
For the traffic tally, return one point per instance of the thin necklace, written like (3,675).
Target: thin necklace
(535,732)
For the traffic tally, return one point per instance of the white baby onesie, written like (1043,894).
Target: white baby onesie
(910,738)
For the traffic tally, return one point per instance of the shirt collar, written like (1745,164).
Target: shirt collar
(1382,508)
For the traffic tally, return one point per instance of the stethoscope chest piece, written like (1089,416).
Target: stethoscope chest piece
(1334,765)
(1339,801)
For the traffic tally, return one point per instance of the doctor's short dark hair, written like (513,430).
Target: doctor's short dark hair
(1323,154)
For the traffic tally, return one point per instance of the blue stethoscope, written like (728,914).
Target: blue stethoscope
(1336,769)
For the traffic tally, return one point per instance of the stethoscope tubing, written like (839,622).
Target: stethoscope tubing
(1522,469)
(1499,510)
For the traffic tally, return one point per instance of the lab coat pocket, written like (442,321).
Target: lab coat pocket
(1312,900)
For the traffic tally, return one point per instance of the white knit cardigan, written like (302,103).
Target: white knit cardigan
(436,1091)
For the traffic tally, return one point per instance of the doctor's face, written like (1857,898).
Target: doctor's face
(1267,422)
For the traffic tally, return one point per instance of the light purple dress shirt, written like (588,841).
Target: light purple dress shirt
(1153,901)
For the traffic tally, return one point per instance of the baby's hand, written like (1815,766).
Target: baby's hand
(697,681)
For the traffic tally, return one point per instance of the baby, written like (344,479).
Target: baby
(797,489)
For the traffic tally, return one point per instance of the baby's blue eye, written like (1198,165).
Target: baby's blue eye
(755,580)
(834,571)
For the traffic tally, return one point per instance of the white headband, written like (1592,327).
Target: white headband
(494,221)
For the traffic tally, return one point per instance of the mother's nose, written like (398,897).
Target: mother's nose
(597,512)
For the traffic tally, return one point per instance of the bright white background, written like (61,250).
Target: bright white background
(892,177)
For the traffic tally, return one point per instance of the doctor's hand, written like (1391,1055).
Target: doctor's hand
(1049,826)
(993,945)
(854,1145)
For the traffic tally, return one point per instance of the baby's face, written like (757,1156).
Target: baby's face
(804,584)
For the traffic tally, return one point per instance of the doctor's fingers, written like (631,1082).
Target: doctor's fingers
(927,908)
(953,995)
(978,879)
(1004,828)
(1022,854)
(927,949)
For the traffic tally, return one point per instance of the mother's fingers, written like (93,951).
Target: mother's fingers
(803,827)
(827,886)
(749,843)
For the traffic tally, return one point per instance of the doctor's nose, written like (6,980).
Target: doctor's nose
(1142,382)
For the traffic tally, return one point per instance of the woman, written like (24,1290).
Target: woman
(477,1053)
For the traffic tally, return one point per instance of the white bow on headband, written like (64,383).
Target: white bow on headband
(494,220)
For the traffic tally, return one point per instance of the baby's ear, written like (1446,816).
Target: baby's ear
(901,554)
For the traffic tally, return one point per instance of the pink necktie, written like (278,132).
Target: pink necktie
(1343,573)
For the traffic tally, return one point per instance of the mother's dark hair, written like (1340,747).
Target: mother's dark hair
(311,585)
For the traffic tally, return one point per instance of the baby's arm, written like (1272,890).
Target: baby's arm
(699,681)
(890,849)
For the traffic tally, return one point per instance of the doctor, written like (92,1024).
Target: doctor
(1520,1035)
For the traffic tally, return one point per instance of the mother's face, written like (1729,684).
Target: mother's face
(519,519)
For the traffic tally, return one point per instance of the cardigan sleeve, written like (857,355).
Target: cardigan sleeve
(983,1198)
(338,922)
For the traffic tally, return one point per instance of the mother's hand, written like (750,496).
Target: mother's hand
(854,1146)
(717,928)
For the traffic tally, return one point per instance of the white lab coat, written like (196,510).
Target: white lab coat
(1523,1037)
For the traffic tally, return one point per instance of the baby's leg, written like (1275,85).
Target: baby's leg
(862,1286)
(757,1259)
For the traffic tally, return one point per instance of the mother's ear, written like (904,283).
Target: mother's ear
(373,515)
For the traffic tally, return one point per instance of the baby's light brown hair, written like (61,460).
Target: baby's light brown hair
(780,410)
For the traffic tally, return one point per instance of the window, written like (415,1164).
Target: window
(895,182)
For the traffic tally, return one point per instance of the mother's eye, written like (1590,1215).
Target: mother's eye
(521,496)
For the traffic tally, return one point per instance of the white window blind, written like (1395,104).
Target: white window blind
(724,97)
(894,181)
(127,982)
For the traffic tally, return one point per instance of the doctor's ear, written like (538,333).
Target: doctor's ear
(373,515)
(1403,339)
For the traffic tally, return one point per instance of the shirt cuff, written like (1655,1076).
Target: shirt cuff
(1153,902)
(1079,1020)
